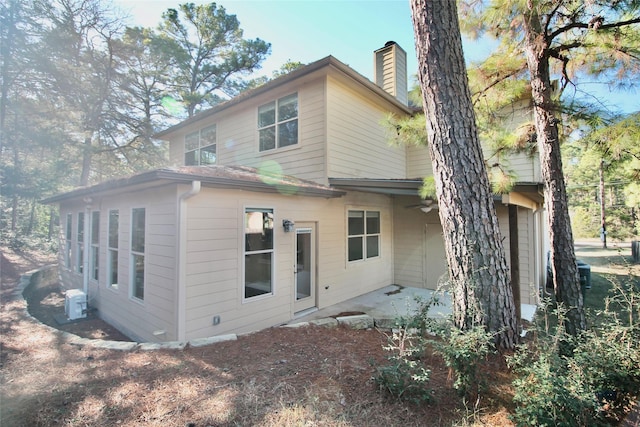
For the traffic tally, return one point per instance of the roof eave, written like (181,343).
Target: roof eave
(165,177)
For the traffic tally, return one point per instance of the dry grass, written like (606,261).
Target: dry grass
(279,377)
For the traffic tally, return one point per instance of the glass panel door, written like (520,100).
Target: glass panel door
(305,269)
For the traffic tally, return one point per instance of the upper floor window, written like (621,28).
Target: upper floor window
(278,123)
(364,235)
(200,147)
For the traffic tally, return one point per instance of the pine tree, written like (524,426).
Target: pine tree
(478,270)
(554,40)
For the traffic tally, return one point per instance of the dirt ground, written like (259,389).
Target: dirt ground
(309,376)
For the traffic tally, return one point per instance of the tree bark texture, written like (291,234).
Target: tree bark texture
(478,270)
(564,269)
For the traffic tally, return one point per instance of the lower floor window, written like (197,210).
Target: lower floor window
(112,264)
(138,276)
(258,252)
(257,275)
(363,240)
(95,263)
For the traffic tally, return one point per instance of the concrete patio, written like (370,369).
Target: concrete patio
(391,302)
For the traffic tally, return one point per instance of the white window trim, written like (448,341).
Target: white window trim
(244,253)
(111,250)
(132,254)
(198,149)
(79,244)
(277,123)
(364,236)
(95,251)
(68,237)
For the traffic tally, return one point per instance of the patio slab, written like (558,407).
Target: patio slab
(389,302)
(392,302)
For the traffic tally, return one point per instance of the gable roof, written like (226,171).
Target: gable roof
(330,62)
(229,177)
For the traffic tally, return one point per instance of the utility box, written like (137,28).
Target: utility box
(584,271)
(75,304)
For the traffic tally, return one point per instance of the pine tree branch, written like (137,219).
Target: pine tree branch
(497,81)
(590,25)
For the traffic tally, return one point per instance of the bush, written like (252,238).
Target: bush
(405,377)
(546,393)
(594,382)
(463,352)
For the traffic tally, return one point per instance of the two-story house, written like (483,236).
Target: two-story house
(285,199)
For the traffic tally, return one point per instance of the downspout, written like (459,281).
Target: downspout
(86,240)
(181,259)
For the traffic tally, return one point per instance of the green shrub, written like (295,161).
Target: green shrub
(463,352)
(546,393)
(405,377)
(591,384)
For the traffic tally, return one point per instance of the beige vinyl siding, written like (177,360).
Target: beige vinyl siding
(214,276)
(526,167)
(237,134)
(356,142)
(419,257)
(526,250)
(139,320)
(418,162)
(390,71)
(408,243)
(528,288)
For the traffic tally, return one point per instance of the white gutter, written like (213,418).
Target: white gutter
(181,259)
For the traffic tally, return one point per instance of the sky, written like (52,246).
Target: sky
(349,30)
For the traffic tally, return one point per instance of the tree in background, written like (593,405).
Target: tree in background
(34,160)
(555,40)
(208,53)
(141,105)
(478,270)
(75,66)
(82,95)
(603,173)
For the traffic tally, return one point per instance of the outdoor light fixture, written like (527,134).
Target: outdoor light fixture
(288,225)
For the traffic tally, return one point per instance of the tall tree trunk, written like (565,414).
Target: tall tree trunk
(478,270)
(603,217)
(86,161)
(566,283)
(32,218)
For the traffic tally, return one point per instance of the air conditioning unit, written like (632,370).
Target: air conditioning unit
(75,304)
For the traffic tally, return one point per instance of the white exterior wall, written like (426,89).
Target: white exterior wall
(526,246)
(237,134)
(357,145)
(419,258)
(137,319)
(418,162)
(215,258)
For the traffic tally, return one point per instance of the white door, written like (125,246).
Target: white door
(305,268)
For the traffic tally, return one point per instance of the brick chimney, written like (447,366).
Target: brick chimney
(390,70)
